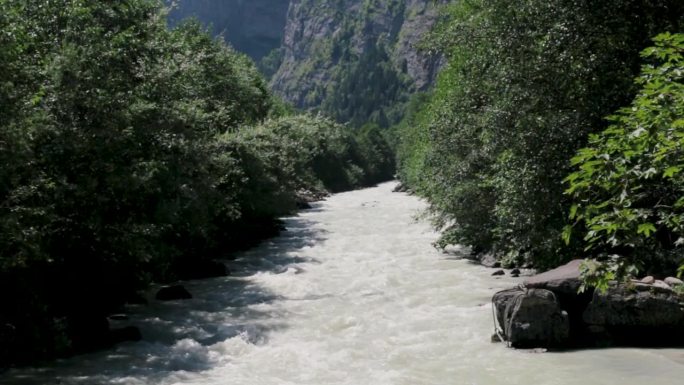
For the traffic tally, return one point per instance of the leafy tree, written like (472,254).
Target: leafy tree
(526,83)
(628,189)
(133,153)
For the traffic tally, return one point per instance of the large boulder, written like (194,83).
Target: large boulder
(531,318)
(564,279)
(627,315)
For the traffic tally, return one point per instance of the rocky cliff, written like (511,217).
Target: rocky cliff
(254,27)
(355,60)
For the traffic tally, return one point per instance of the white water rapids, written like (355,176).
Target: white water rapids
(353,293)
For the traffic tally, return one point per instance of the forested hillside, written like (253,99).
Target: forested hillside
(135,153)
(497,146)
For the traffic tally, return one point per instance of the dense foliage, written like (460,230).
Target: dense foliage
(527,82)
(131,153)
(628,190)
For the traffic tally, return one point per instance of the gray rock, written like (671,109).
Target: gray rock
(488,260)
(564,279)
(532,318)
(500,301)
(499,272)
(672,281)
(660,286)
(649,280)
(621,307)
(172,293)
(401,187)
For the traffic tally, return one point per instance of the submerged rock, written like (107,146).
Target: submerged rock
(172,293)
(499,272)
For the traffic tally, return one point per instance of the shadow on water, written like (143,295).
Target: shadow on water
(194,335)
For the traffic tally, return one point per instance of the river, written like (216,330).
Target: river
(353,293)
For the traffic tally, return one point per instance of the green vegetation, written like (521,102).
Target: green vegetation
(628,191)
(131,153)
(526,84)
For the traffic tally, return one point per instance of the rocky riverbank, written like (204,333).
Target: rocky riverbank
(548,311)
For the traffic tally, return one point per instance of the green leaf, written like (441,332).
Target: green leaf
(671,171)
(646,229)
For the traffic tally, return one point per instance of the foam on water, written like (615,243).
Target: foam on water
(353,293)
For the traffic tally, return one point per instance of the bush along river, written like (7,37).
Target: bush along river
(352,293)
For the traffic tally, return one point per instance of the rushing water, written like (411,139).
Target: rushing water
(353,293)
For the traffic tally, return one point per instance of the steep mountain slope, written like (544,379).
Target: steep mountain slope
(355,59)
(254,27)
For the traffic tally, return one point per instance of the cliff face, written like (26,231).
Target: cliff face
(355,60)
(254,27)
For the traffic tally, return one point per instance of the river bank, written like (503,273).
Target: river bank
(352,293)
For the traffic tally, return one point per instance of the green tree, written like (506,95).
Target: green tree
(628,188)
(526,83)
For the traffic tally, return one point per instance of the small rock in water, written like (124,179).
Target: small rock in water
(171,293)
(672,281)
(499,272)
(649,280)
(515,271)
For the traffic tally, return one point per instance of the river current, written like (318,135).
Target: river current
(352,293)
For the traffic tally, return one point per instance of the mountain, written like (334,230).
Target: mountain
(357,61)
(254,27)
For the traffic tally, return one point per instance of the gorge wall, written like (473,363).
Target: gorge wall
(358,61)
